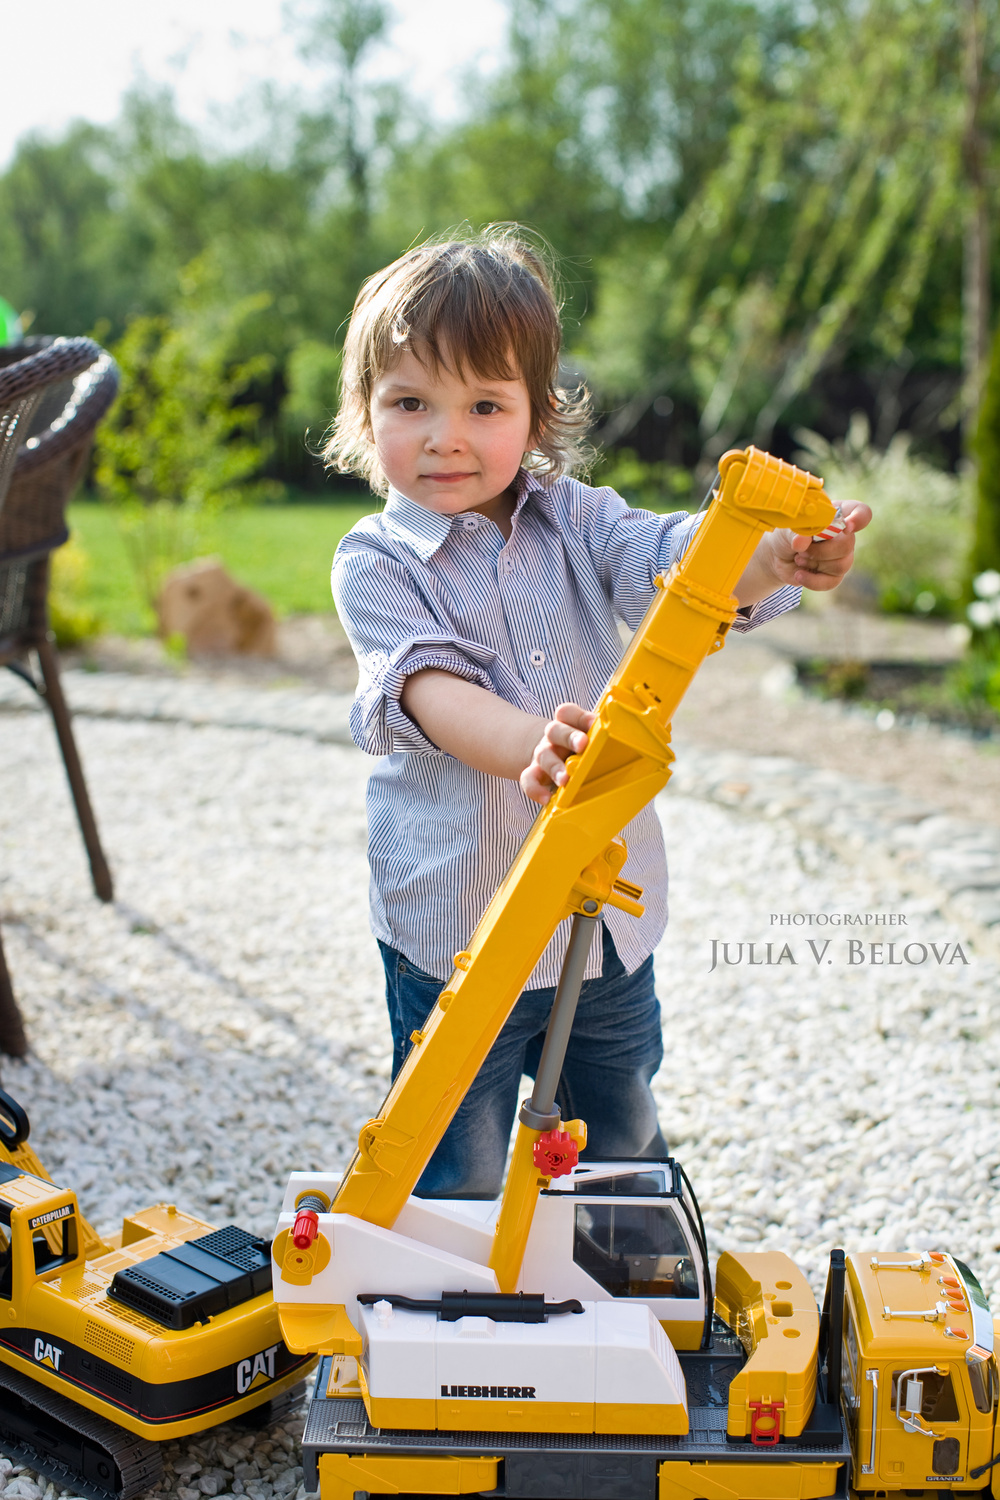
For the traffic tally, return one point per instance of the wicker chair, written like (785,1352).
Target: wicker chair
(53,392)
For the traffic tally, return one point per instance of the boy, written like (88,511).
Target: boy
(482,605)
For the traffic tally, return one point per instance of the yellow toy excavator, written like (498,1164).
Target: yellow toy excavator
(110,1347)
(567,1342)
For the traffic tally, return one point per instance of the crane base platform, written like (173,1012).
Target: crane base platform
(574,1466)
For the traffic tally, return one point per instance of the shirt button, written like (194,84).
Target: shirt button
(537,658)
(469,523)
(507,564)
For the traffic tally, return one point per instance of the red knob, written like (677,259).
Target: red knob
(555,1153)
(306,1228)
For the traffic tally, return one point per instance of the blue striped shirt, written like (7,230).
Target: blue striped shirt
(534,620)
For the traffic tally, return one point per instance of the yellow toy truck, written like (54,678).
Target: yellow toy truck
(110,1347)
(569,1341)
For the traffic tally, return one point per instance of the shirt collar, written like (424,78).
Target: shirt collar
(418,528)
(425,531)
(525,485)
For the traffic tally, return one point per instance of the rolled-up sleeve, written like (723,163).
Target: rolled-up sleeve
(778,603)
(393,635)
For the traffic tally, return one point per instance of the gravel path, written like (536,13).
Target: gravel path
(220,1024)
(223,1022)
(824,1103)
(744,699)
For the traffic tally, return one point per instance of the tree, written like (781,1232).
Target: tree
(838,199)
(746,197)
(986,545)
(359,117)
(55,205)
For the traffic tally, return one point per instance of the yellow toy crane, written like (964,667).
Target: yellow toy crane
(567,1341)
(110,1347)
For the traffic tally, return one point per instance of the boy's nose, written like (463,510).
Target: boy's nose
(446,435)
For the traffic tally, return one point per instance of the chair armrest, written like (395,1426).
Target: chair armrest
(93,392)
(63,357)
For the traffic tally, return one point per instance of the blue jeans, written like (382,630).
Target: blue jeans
(615,1049)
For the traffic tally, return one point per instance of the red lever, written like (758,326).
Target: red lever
(555,1153)
(306,1228)
(765,1422)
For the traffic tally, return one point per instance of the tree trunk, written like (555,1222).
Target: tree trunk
(976,267)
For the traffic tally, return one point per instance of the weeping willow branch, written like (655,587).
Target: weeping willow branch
(846,177)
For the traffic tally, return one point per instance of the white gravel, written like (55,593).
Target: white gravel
(224,1021)
(221,1022)
(823,1104)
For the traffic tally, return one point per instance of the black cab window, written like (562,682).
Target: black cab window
(634,1250)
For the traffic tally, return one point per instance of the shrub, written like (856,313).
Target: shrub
(651,486)
(917,545)
(178,446)
(312,372)
(71,618)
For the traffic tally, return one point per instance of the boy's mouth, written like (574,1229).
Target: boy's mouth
(447,478)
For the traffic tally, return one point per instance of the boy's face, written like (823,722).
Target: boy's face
(450,443)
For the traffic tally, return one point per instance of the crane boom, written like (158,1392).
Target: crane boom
(571,859)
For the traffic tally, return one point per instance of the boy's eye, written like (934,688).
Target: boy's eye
(410,403)
(485,408)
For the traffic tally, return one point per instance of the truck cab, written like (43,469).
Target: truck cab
(919,1374)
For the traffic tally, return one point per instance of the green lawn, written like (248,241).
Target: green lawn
(282,551)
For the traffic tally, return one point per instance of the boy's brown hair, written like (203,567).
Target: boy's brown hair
(484,304)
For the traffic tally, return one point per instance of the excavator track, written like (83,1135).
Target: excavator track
(74,1447)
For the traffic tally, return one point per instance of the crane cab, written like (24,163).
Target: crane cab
(627,1229)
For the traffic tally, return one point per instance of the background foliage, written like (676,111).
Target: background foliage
(175,448)
(767,216)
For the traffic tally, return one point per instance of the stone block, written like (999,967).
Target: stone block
(216,615)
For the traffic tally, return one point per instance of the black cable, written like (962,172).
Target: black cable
(502,1307)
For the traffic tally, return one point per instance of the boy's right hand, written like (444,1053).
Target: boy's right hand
(565,735)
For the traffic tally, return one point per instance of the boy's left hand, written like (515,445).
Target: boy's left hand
(818,565)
